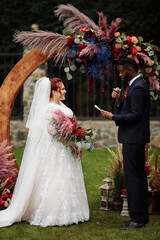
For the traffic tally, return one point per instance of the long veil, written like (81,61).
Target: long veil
(30,161)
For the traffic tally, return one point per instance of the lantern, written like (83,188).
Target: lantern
(105,194)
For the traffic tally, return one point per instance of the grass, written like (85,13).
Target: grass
(103,225)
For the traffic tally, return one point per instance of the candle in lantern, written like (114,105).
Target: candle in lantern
(156,162)
(147,169)
(146,152)
(124,192)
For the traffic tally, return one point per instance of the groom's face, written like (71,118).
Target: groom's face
(125,73)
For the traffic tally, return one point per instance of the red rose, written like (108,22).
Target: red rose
(134,51)
(81,46)
(81,136)
(70,40)
(6,195)
(10,196)
(10,179)
(1,202)
(73,128)
(79,55)
(77,133)
(83,29)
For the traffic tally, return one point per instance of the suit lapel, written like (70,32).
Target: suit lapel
(138,79)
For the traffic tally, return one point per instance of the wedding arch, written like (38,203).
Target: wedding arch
(12,85)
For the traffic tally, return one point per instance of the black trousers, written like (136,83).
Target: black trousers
(136,182)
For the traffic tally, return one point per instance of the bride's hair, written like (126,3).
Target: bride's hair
(55,84)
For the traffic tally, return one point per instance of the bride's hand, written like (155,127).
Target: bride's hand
(72,144)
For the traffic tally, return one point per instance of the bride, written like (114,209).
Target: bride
(50,187)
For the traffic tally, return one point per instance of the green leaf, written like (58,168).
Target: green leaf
(66,69)
(67,31)
(157,73)
(154,77)
(79,144)
(150,53)
(140,38)
(123,35)
(158,67)
(150,70)
(77,40)
(69,76)
(87,138)
(82,69)
(87,145)
(91,149)
(85,42)
(155,97)
(73,68)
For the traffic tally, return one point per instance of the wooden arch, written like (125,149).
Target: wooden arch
(12,85)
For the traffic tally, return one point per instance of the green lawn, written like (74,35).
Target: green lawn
(103,225)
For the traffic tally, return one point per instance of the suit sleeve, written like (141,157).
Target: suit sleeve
(138,100)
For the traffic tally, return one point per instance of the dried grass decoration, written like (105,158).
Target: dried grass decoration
(155,182)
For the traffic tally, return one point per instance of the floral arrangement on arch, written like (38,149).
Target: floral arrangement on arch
(7,173)
(94,49)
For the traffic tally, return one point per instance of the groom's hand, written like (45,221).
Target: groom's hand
(107,115)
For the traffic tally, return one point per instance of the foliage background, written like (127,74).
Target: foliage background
(139,17)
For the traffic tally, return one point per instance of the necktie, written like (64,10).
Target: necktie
(127,87)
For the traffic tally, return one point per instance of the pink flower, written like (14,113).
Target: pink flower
(83,29)
(64,123)
(128,38)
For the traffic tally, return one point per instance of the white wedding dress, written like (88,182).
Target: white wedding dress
(50,187)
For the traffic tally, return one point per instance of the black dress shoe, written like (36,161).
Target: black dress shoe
(132,225)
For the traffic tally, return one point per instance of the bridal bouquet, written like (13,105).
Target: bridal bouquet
(68,129)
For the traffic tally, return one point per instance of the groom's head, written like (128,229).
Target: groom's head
(128,69)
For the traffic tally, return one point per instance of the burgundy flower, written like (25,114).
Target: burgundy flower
(81,46)
(70,41)
(152,73)
(116,50)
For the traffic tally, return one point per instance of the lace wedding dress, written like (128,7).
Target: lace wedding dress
(50,187)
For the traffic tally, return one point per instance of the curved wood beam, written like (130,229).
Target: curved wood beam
(12,85)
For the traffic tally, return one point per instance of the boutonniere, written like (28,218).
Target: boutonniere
(125,95)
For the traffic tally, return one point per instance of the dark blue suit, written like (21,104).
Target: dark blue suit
(134,133)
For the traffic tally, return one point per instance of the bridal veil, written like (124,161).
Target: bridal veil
(30,162)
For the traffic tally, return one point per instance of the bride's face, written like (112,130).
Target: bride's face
(61,92)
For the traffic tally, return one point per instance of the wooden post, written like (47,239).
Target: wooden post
(12,85)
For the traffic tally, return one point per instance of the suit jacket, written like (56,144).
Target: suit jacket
(133,121)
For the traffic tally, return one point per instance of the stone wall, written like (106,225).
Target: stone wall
(104,132)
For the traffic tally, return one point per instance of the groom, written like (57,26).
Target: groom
(133,132)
